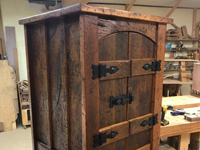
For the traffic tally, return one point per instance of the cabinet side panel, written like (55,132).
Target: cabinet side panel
(38,67)
(58,82)
(74,82)
(90,54)
(158,86)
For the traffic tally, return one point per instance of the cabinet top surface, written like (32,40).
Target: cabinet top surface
(87,9)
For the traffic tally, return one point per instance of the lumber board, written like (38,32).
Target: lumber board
(174,81)
(130,5)
(10,45)
(173,9)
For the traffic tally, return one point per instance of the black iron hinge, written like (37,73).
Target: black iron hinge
(155,66)
(151,122)
(101,70)
(102,138)
(121,100)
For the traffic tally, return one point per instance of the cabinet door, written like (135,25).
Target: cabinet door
(129,84)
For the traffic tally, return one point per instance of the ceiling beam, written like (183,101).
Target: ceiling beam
(175,6)
(66,3)
(130,5)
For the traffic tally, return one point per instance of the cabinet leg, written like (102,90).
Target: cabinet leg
(195,141)
(184,141)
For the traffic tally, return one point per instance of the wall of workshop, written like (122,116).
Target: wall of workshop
(12,11)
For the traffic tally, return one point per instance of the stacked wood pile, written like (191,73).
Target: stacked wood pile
(179,33)
(24,102)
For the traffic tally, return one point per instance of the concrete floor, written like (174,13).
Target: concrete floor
(19,139)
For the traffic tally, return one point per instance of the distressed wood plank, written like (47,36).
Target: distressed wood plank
(58,82)
(90,56)
(38,64)
(158,87)
(122,65)
(135,124)
(78,8)
(137,66)
(107,27)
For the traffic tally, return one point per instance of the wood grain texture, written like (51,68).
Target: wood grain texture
(78,8)
(122,65)
(107,27)
(57,58)
(91,56)
(141,46)
(111,48)
(122,129)
(74,82)
(137,66)
(135,124)
(38,67)
(157,97)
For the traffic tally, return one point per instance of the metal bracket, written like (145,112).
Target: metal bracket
(151,122)
(155,66)
(102,138)
(101,70)
(121,100)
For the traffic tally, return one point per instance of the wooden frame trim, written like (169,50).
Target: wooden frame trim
(173,9)
(77,8)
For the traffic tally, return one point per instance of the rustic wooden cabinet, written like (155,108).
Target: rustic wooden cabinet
(95,78)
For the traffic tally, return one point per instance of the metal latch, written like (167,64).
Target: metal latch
(151,122)
(101,70)
(121,100)
(102,138)
(155,66)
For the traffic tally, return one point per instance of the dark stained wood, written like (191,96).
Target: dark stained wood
(57,58)
(91,95)
(74,82)
(141,46)
(38,67)
(107,27)
(68,106)
(30,93)
(122,65)
(135,124)
(157,88)
(78,8)
(110,49)
(137,66)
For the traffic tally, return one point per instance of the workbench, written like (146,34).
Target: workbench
(178,126)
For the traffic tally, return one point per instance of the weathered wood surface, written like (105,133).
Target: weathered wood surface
(78,8)
(69,106)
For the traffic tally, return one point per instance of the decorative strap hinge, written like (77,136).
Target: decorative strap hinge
(101,71)
(102,138)
(151,122)
(155,66)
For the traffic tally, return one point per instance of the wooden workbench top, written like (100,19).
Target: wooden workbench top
(174,81)
(181,102)
(178,125)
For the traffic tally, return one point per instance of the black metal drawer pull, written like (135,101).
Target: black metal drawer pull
(102,138)
(155,66)
(121,100)
(101,70)
(151,122)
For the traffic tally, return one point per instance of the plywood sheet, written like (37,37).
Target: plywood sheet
(8,96)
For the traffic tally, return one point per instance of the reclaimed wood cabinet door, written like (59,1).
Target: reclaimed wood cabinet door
(127,112)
